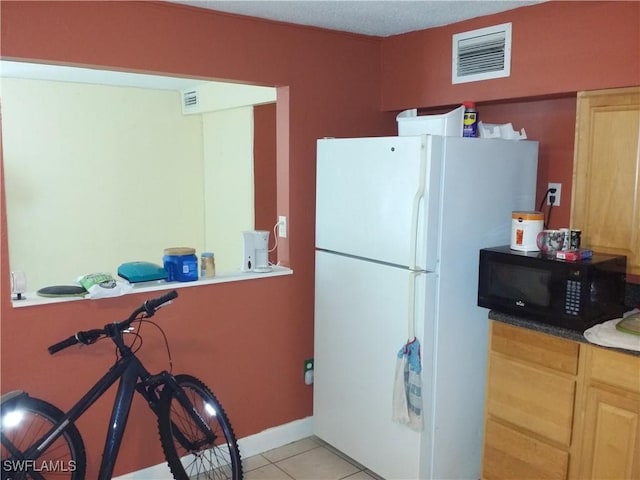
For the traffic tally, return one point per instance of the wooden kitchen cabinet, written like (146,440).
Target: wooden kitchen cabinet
(606,173)
(609,434)
(531,386)
(559,409)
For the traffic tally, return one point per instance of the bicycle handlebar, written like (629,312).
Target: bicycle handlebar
(87,337)
(150,306)
(62,345)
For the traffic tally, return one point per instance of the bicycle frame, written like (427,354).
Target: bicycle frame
(133,377)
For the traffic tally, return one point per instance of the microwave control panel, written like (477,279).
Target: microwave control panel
(572,298)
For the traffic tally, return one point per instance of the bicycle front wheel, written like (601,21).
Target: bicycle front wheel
(25,420)
(189,453)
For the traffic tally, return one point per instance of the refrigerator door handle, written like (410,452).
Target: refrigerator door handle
(415,212)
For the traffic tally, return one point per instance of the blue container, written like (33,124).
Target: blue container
(181,264)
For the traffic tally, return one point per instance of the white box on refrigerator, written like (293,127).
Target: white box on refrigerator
(447,124)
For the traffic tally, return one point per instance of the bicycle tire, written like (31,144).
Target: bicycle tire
(31,418)
(217,460)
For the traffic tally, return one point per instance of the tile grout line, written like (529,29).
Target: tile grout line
(318,444)
(287,475)
(330,449)
(295,454)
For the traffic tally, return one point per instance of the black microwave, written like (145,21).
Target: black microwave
(569,294)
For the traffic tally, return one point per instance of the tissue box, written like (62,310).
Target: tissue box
(448,124)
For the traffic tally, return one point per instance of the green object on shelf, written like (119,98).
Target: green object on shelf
(137,272)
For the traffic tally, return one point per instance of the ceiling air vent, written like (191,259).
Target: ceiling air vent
(482,54)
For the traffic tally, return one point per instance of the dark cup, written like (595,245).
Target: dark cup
(575,239)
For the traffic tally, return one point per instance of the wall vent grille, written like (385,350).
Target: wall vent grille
(190,99)
(482,54)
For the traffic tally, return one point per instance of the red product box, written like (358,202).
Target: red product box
(574,255)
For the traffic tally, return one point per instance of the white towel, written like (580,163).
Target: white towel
(400,410)
(407,389)
(607,335)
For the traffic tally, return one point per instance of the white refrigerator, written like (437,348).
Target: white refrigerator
(399,223)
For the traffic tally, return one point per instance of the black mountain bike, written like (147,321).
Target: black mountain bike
(39,441)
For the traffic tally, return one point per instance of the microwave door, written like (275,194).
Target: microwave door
(520,285)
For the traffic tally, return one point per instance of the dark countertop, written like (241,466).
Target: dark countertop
(549,330)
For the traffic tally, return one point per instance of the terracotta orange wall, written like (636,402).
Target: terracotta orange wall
(247,340)
(552,123)
(558,48)
(264,170)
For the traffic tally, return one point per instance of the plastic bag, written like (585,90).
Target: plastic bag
(103,285)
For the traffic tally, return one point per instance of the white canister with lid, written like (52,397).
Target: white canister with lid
(525,227)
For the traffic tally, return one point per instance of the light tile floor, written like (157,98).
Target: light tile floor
(306,459)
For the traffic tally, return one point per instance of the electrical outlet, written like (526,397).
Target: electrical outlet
(556,195)
(282,226)
(308,365)
(308,371)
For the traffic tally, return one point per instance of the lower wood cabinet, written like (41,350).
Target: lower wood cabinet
(559,409)
(609,435)
(510,452)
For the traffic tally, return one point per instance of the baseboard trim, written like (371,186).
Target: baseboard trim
(275,437)
(249,446)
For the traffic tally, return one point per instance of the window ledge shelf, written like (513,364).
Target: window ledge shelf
(32,299)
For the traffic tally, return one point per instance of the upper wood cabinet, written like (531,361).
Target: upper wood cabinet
(606,173)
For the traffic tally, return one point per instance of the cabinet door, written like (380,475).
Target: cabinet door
(606,176)
(611,435)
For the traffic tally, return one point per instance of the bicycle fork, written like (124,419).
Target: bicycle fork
(180,395)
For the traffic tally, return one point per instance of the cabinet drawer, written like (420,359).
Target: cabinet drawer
(538,348)
(537,400)
(511,455)
(614,368)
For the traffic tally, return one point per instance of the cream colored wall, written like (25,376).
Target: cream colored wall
(228,183)
(97,176)
(217,96)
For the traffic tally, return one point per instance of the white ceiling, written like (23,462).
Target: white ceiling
(378,18)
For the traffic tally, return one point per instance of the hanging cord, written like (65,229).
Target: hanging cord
(412,306)
(551,202)
(136,344)
(275,246)
(275,236)
(549,214)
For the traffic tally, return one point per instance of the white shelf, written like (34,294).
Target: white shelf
(32,299)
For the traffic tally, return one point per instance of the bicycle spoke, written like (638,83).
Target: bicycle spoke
(199,437)
(20,439)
